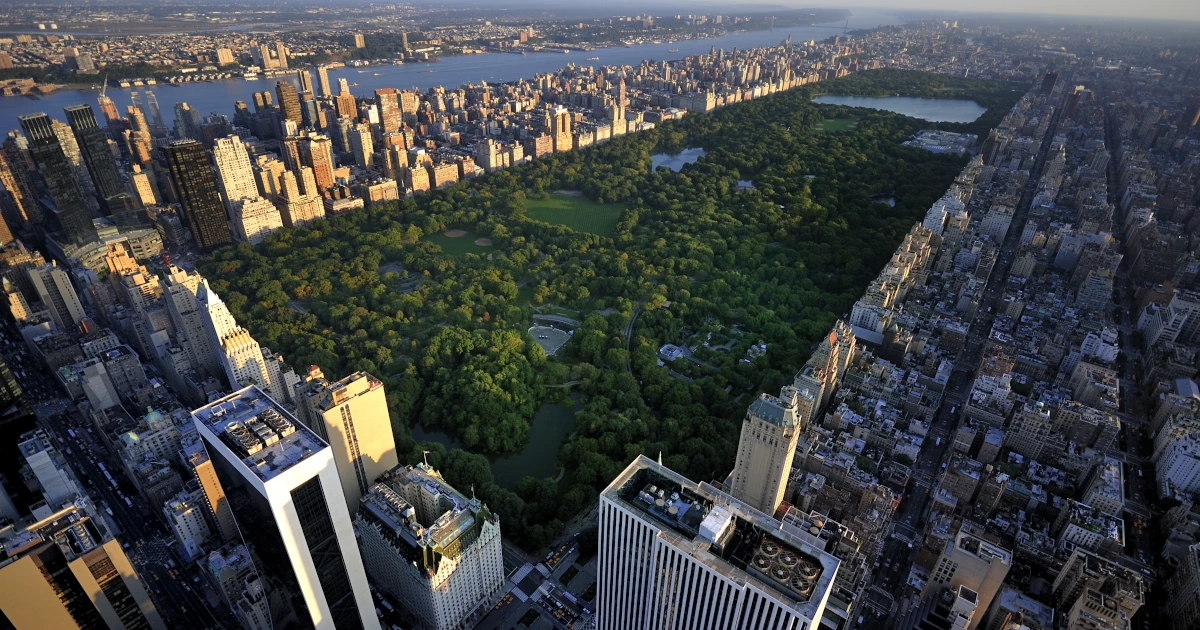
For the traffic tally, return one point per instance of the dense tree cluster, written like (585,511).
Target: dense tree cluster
(695,257)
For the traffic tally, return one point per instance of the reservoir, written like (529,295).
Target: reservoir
(451,72)
(931,109)
(551,425)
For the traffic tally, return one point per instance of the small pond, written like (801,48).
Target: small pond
(551,425)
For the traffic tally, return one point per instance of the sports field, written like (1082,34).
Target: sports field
(576,212)
(831,125)
(459,242)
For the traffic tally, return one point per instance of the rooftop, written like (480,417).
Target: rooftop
(266,437)
(727,535)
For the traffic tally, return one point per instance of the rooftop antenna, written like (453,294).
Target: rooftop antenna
(425,456)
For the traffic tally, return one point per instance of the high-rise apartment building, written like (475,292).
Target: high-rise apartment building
(317,153)
(141,142)
(362,145)
(215,501)
(281,55)
(298,205)
(283,488)
(70,209)
(225,57)
(196,188)
(323,82)
(254,219)
(675,554)
(67,571)
(971,561)
(765,450)
(233,167)
(56,292)
(352,416)
(387,101)
(289,102)
(305,79)
(430,546)
(360,41)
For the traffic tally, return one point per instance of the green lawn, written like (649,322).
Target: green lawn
(464,244)
(832,125)
(576,212)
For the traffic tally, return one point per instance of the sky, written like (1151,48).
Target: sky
(1152,9)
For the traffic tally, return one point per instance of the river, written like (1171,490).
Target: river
(219,96)
(931,109)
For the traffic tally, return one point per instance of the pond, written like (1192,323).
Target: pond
(675,162)
(882,198)
(551,425)
(931,109)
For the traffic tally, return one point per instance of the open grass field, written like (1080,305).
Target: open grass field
(576,212)
(832,125)
(464,243)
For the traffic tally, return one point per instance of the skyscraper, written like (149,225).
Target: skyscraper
(362,145)
(352,416)
(323,82)
(254,218)
(281,53)
(239,355)
(157,126)
(233,167)
(196,189)
(69,207)
(56,292)
(19,202)
(387,101)
(187,122)
(179,291)
(67,571)
(297,206)
(289,102)
(141,142)
(287,501)
(675,554)
(765,450)
(317,152)
(412,516)
(93,145)
(305,80)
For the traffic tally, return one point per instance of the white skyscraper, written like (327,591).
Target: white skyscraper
(677,554)
(233,166)
(236,351)
(287,501)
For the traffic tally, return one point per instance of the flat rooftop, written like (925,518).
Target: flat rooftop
(266,437)
(727,535)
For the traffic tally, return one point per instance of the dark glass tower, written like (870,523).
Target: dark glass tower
(69,206)
(93,144)
(196,187)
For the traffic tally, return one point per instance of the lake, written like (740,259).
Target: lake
(551,425)
(931,109)
(219,96)
(676,161)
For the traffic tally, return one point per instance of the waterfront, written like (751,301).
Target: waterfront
(931,109)
(551,425)
(451,72)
